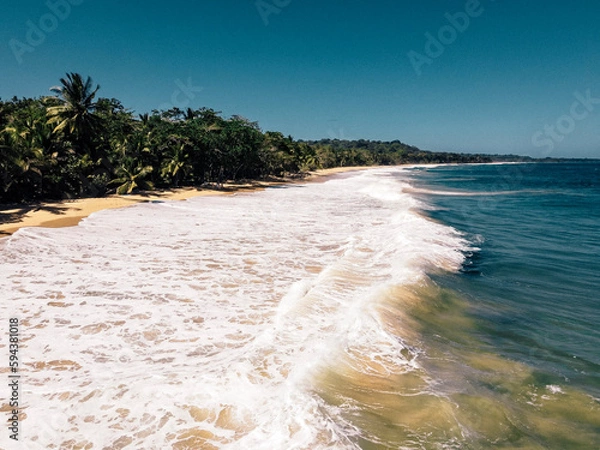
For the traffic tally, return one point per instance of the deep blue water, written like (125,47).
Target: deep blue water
(534,284)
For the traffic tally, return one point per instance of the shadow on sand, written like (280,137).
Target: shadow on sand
(14,213)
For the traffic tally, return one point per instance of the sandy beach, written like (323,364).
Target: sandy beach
(67,213)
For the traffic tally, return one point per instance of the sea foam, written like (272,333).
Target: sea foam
(204,323)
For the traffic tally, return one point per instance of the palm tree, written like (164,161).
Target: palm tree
(176,165)
(309,160)
(29,150)
(74,115)
(8,164)
(132,177)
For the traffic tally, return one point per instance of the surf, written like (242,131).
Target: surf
(230,307)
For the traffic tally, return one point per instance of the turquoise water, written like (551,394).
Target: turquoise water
(535,282)
(532,285)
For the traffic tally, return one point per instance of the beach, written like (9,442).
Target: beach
(384,308)
(216,322)
(67,213)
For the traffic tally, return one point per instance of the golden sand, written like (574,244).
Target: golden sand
(67,213)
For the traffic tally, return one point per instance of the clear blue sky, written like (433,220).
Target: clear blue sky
(505,83)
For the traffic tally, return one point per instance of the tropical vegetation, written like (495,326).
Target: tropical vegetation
(75,144)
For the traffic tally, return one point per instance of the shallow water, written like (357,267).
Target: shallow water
(326,315)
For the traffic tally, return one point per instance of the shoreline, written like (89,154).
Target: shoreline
(68,213)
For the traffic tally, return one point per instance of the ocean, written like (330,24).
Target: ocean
(439,307)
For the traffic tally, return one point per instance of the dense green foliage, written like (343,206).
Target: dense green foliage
(364,152)
(73,145)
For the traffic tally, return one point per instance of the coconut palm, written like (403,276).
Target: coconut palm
(29,150)
(309,160)
(176,165)
(73,111)
(132,177)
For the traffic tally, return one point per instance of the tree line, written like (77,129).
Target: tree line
(73,144)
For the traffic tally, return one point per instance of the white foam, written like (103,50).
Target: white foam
(213,314)
(554,389)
